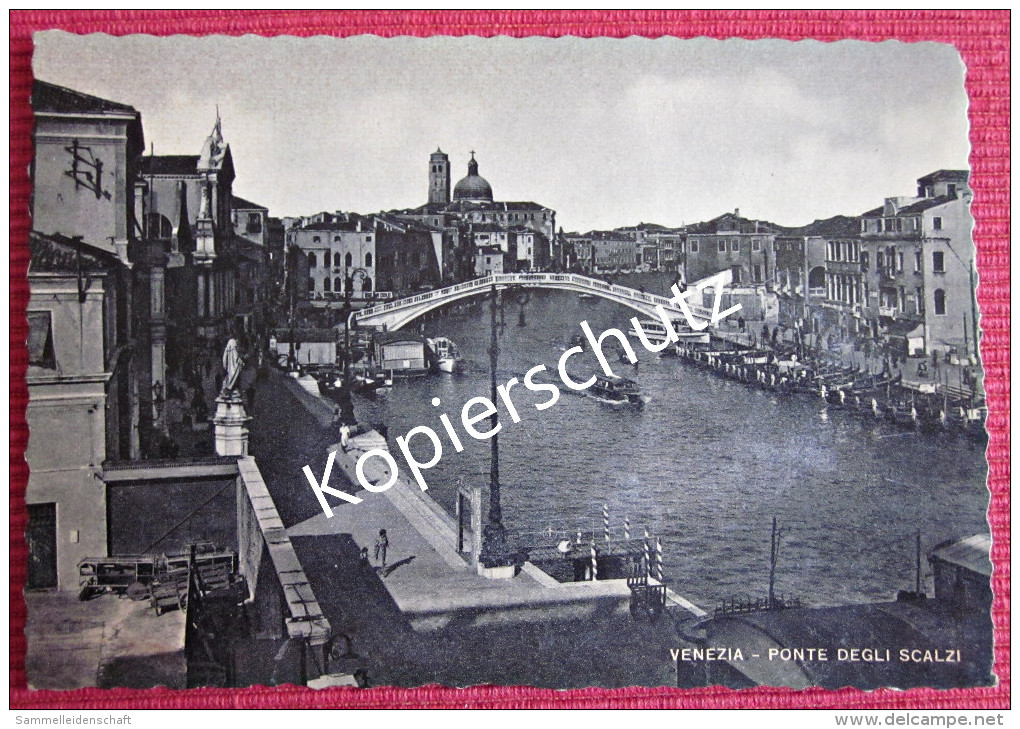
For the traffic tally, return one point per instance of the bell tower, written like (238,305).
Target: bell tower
(439,177)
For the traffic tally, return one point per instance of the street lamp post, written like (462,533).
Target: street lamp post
(494,552)
(347,407)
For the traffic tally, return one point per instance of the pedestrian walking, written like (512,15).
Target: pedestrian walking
(382,543)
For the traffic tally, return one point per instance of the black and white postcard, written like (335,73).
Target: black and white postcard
(552,362)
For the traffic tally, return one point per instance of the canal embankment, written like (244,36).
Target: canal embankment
(427,616)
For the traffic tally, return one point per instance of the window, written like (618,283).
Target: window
(756,245)
(348,259)
(899,261)
(336,239)
(316,239)
(338,284)
(936,223)
(254,223)
(368,260)
(917,261)
(938,262)
(903,299)
(325,284)
(368,239)
(879,260)
(336,259)
(735,244)
(940,302)
(918,301)
(159,226)
(722,246)
(694,246)
(366,284)
(864,260)
(312,260)
(311,285)
(40,340)
(757,272)
(952,190)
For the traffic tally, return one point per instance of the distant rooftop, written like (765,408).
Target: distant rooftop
(239,203)
(912,209)
(837,226)
(169,164)
(61,100)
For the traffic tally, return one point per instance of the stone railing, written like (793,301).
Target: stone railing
(578,282)
(283,598)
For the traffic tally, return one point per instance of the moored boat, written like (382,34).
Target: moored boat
(447,359)
(655,332)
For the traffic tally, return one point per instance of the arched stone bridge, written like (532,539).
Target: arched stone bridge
(395,314)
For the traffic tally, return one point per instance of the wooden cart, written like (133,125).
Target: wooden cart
(131,573)
(170,591)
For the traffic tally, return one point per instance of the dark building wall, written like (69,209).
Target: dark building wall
(406,261)
(160,517)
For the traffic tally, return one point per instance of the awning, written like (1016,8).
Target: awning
(906,329)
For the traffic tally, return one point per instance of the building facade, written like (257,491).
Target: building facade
(82,400)
(807,260)
(731,242)
(917,262)
(380,256)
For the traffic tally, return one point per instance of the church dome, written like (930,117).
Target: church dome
(474,186)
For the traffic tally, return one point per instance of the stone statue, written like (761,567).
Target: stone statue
(232,364)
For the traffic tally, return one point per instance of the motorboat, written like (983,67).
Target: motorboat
(616,391)
(447,359)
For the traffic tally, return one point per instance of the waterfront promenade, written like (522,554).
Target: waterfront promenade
(427,617)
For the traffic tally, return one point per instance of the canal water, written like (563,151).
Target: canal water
(705,465)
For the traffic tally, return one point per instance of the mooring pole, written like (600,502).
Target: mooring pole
(658,559)
(917,581)
(772,566)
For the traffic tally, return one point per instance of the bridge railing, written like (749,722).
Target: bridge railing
(582,282)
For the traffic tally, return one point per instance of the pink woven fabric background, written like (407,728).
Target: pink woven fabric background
(982,38)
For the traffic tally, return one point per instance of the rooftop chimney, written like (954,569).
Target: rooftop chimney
(736,212)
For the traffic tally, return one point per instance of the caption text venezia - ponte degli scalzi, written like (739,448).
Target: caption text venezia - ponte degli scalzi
(484,407)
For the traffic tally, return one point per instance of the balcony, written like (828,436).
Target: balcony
(889,311)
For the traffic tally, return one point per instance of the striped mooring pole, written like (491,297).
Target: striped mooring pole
(658,559)
(626,528)
(605,521)
(648,560)
(594,562)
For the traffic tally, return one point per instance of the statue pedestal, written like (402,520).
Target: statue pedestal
(230,424)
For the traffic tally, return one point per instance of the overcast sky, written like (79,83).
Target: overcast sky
(606,132)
